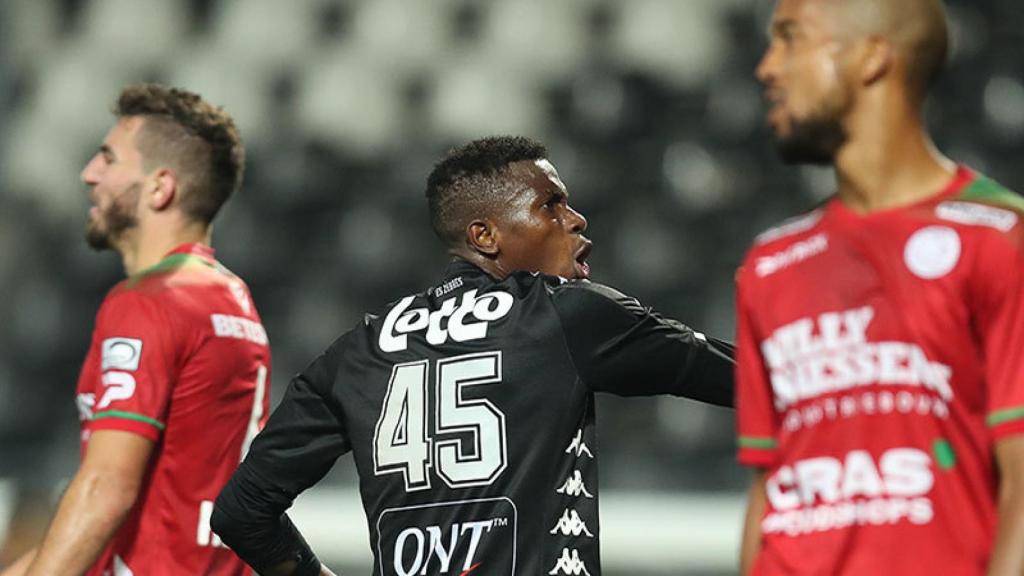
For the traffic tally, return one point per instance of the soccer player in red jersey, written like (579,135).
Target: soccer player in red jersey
(174,386)
(881,336)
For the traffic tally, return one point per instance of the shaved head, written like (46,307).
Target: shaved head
(917,28)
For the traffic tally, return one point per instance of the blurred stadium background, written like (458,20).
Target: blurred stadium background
(650,111)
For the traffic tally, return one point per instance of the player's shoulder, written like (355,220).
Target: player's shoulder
(584,296)
(983,203)
(791,229)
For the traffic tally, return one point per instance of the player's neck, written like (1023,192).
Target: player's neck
(148,246)
(890,161)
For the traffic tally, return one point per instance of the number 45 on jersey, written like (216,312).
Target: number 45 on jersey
(467,446)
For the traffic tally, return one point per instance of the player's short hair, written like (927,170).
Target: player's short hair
(195,138)
(465,183)
(918,27)
(929,50)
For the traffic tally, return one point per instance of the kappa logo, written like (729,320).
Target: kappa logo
(486,308)
(570,524)
(121,354)
(574,486)
(578,446)
(569,564)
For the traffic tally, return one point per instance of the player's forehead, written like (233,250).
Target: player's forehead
(807,16)
(537,176)
(121,136)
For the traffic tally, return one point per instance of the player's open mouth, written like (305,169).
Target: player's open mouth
(582,267)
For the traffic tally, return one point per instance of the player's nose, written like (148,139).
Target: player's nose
(577,222)
(765,71)
(90,173)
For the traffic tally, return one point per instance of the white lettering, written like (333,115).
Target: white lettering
(204,535)
(809,358)
(400,550)
(430,544)
(825,493)
(451,320)
(120,386)
(226,326)
(794,254)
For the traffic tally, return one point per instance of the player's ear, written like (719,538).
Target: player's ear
(482,237)
(161,188)
(875,57)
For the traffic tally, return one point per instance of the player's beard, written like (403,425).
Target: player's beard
(814,139)
(121,216)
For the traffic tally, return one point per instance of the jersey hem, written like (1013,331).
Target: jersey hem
(143,429)
(756,457)
(1003,416)
(129,416)
(1007,429)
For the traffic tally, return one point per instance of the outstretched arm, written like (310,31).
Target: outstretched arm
(95,504)
(622,347)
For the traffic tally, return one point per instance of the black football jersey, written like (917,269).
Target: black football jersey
(469,410)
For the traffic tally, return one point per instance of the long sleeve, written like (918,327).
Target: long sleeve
(622,347)
(302,440)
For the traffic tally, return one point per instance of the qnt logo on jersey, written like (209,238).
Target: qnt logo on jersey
(481,541)
(825,493)
(461,321)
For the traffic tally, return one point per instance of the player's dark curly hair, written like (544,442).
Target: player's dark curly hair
(197,140)
(465,183)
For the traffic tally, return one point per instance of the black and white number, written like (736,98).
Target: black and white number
(470,447)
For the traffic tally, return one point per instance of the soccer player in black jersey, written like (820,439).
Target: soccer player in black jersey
(469,407)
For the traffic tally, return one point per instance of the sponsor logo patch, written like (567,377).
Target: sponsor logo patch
(932,252)
(460,320)
(827,493)
(406,547)
(977,214)
(121,354)
(798,252)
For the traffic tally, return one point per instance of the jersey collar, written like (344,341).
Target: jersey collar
(963,177)
(193,249)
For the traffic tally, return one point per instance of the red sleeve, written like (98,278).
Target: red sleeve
(1000,323)
(137,365)
(756,419)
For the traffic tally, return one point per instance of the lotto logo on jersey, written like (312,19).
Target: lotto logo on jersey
(826,493)
(459,320)
(481,541)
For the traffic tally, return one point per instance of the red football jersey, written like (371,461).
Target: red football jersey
(179,356)
(880,357)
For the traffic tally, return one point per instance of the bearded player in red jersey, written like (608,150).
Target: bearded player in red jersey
(881,336)
(174,386)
